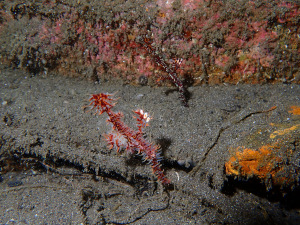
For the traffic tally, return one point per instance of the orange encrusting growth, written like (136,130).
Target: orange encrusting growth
(261,163)
(295,110)
(123,136)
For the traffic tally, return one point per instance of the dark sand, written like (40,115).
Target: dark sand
(56,168)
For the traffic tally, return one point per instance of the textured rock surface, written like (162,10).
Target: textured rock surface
(217,41)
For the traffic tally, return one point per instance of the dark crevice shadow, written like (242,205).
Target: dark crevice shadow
(289,199)
(20,161)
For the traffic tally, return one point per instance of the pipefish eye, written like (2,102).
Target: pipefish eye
(143,80)
(139,39)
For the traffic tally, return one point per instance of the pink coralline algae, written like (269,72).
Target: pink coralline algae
(231,41)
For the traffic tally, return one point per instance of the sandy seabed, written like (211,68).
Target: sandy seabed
(57,169)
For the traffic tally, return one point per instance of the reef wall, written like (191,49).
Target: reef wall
(214,41)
